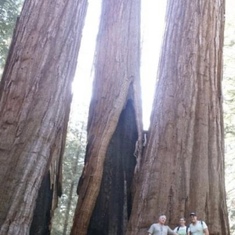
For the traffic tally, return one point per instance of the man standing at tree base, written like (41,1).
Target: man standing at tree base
(197,227)
(160,228)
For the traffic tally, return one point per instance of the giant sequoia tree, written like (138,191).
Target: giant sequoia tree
(114,127)
(35,96)
(183,166)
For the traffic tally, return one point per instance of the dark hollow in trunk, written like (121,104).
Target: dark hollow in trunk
(113,205)
(42,213)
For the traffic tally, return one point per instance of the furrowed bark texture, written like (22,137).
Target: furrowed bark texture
(116,74)
(51,187)
(183,166)
(35,96)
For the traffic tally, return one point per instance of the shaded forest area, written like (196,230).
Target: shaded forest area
(119,174)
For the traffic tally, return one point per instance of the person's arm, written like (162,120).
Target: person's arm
(171,232)
(205,228)
(189,232)
(206,231)
(151,230)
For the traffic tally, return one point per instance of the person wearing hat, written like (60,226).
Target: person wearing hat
(197,227)
(160,228)
(182,229)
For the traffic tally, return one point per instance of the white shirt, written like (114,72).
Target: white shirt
(158,229)
(197,228)
(182,230)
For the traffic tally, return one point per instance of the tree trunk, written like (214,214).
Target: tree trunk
(35,97)
(116,80)
(183,166)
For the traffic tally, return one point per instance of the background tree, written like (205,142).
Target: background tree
(72,168)
(183,166)
(229,111)
(115,105)
(35,96)
(9,11)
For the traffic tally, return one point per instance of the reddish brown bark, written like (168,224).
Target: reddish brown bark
(116,77)
(35,96)
(183,166)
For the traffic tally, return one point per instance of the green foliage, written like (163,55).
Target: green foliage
(9,11)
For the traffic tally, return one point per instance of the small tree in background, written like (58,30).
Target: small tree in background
(229,109)
(72,168)
(9,11)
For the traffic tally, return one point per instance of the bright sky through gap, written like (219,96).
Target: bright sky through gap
(152,29)
(152,26)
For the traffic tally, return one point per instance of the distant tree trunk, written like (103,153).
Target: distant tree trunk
(115,103)
(183,166)
(75,170)
(35,97)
